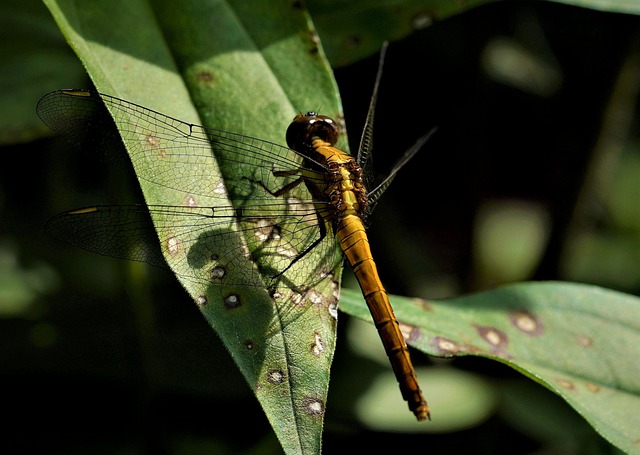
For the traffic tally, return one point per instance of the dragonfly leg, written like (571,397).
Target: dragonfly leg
(285,189)
(322,227)
(321,222)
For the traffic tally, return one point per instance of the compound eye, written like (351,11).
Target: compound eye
(306,127)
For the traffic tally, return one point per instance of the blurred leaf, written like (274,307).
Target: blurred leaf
(606,250)
(510,63)
(622,200)
(582,342)
(35,59)
(537,412)
(604,258)
(614,6)
(21,286)
(352,30)
(464,400)
(509,240)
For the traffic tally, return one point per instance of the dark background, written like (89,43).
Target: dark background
(82,362)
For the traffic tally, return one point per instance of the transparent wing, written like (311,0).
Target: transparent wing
(278,227)
(375,193)
(374,186)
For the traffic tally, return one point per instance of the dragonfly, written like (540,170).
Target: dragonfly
(308,198)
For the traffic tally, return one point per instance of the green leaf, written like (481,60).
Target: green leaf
(243,66)
(613,6)
(30,45)
(582,342)
(354,29)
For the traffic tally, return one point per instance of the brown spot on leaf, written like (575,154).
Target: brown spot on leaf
(232,301)
(410,332)
(421,21)
(445,346)
(315,38)
(591,387)
(335,289)
(217,273)
(351,42)
(201,300)
(297,299)
(190,201)
(333,310)
(496,338)
(275,376)
(313,406)
(526,322)
(172,244)
(205,77)
(564,383)
(425,305)
(584,340)
(152,141)
(315,297)
(317,347)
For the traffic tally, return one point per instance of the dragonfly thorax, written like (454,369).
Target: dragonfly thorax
(305,128)
(345,189)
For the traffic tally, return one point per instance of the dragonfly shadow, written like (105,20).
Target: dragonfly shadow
(256,286)
(219,256)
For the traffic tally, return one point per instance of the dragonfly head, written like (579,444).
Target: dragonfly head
(306,127)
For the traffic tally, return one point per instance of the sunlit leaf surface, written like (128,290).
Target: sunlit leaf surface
(236,76)
(580,341)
